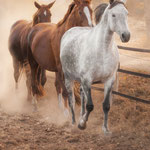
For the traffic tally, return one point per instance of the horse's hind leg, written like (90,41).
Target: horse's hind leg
(58,89)
(89,105)
(106,104)
(60,78)
(43,77)
(36,87)
(16,66)
(68,84)
(39,75)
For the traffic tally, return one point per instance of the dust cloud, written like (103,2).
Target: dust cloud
(12,100)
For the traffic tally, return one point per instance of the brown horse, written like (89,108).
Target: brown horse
(45,45)
(18,43)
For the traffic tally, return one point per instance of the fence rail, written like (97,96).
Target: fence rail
(134,73)
(124,95)
(134,49)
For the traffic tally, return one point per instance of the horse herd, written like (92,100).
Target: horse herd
(74,49)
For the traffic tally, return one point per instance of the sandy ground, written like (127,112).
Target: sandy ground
(48,129)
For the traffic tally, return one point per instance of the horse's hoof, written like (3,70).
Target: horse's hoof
(60,101)
(81,127)
(73,123)
(82,124)
(66,113)
(106,131)
(35,109)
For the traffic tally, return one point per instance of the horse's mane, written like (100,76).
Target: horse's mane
(35,18)
(115,3)
(71,6)
(99,10)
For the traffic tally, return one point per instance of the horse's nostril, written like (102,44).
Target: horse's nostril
(123,35)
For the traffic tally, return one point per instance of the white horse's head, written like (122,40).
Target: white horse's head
(117,18)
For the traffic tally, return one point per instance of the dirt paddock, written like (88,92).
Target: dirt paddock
(48,129)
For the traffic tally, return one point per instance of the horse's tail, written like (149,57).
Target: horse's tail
(77,93)
(18,70)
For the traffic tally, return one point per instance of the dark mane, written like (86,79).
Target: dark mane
(99,10)
(35,18)
(115,3)
(71,6)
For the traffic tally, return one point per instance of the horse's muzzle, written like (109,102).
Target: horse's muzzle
(125,37)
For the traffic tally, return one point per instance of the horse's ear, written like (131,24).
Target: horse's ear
(51,4)
(77,2)
(124,1)
(111,1)
(37,5)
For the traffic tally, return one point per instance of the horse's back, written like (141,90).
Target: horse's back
(19,23)
(71,38)
(18,38)
(40,45)
(37,29)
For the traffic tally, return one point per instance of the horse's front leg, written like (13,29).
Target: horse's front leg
(89,106)
(36,89)
(82,101)
(106,103)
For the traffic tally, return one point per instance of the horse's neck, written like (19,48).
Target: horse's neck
(66,26)
(105,38)
(34,21)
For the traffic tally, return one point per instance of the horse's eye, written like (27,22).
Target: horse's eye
(113,15)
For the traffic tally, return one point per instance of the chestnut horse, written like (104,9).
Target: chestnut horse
(44,44)
(18,43)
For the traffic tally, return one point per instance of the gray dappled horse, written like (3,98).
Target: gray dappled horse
(89,54)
